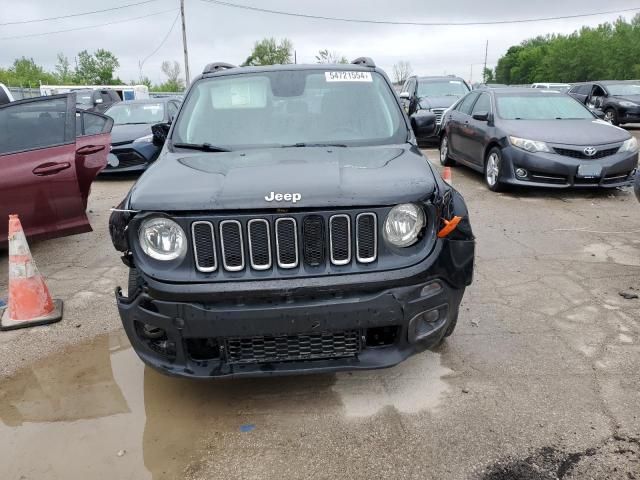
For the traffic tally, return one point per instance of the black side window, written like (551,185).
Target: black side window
(106,98)
(467,103)
(89,123)
(483,105)
(33,125)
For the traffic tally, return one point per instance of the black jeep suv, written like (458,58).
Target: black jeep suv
(290,225)
(619,100)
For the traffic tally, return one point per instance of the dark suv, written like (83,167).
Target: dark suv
(619,100)
(432,94)
(290,225)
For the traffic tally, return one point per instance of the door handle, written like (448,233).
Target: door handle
(89,149)
(50,168)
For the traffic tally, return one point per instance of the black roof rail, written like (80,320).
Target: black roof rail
(216,67)
(366,61)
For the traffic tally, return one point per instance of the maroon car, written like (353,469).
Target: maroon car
(49,156)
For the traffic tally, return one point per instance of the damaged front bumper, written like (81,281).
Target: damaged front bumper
(361,321)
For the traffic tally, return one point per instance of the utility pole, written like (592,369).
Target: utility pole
(184,45)
(484,70)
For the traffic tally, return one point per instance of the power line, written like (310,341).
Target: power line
(72,15)
(423,24)
(88,26)
(161,43)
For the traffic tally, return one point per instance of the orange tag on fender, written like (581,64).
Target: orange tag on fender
(449,226)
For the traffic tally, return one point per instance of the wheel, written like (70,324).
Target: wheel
(445,159)
(611,116)
(135,282)
(492,170)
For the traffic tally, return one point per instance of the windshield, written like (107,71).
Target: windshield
(446,88)
(540,107)
(291,107)
(84,98)
(624,89)
(131,113)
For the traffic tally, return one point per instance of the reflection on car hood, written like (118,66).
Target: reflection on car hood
(628,98)
(568,132)
(324,177)
(128,133)
(438,102)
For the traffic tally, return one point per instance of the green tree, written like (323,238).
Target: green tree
(63,69)
(97,68)
(610,50)
(173,72)
(25,72)
(325,56)
(270,52)
(487,75)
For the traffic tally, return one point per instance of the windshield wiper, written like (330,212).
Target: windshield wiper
(302,144)
(205,147)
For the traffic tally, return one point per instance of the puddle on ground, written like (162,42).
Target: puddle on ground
(94,411)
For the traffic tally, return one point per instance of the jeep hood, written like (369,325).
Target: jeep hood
(324,177)
(427,103)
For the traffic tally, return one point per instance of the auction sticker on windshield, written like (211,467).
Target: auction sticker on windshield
(348,76)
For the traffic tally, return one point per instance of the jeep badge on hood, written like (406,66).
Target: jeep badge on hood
(286,197)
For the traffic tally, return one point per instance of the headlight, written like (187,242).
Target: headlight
(162,239)
(529,145)
(145,139)
(627,104)
(403,224)
(630,145)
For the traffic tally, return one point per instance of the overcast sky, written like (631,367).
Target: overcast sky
(220,33)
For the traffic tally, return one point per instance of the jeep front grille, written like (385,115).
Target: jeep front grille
(282,348)
(285,242)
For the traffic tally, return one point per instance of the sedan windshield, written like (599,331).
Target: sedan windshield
(134,113)
(291,108)
(540,107)
(624,89)
(448,88)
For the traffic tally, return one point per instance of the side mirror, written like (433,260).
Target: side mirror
(423,124)
(160,132)
(405,95)
(599,113)
(481,116)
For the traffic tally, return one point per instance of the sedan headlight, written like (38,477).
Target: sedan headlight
(627,104)
(162,239)
(145,139)
(403,225)
(630,145)
(532,146)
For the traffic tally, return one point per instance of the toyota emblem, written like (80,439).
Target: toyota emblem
(590,151)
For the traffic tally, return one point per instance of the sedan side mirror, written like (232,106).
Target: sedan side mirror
(423,124)
(160,132)
(405,95)
(481,116)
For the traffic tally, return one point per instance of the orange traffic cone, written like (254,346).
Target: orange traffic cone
(446,175)
(30,303)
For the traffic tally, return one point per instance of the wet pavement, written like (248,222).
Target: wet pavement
(540,380)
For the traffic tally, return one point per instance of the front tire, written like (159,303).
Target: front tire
(493,170)
(611,116)
(445,159)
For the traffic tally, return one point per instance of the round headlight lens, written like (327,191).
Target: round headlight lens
(403,224)
(162,239)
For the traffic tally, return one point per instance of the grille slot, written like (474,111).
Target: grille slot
(287,242)
(580,153)
(438,112)
(313,240)
(204,246)
(340,239)
(282,348)
(366,237)
(231,244)
(259,244)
